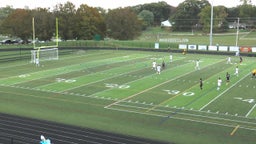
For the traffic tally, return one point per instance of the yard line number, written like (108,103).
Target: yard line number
(111,85)
(65,80)
(176,92)
(245,100)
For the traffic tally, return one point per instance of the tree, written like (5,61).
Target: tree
(233,14)
(161,11)
(247,13)
(220,23)
(186,16)
(123,24)
(19,24)
(90,23)
(4,12)
(44,24)
(67,20)
(147,18)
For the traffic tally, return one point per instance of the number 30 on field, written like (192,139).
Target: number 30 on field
(176,92)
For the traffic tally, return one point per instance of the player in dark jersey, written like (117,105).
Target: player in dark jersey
(201,83)
(241,59)
(227,78)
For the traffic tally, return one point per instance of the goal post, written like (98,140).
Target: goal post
(43,53)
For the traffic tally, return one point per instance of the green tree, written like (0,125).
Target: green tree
(147,18)
(90,23)
(123,24)
(161,10)
(247,13)
(233,14)
(67,20)
(4,12)
(220,23)
(44,24)
(186,16)
(18,24)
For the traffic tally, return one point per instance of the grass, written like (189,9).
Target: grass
(117,91)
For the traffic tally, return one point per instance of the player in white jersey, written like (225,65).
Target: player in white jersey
(158,69)
(219,83)
(197,67)
(236,71)
(37,62)
(154,65)
(171,58)
(229,60)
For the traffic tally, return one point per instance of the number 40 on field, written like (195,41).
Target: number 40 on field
(176,92)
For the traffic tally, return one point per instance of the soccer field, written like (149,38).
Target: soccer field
(118,91)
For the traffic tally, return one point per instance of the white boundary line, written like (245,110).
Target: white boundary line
(185,119)
(222,93)
(188,114)
(250,111)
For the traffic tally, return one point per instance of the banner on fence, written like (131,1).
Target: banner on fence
(253,49)
(212,48)
(245,49)
(202,47)
(234,48)
(223,48)
(182,46)
(192,47)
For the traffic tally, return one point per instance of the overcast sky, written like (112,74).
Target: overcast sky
(107,4)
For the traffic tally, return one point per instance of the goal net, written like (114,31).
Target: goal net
(44,54)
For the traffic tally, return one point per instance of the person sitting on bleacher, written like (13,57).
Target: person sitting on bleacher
(44,141)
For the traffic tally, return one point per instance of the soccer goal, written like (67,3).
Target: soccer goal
(44,53)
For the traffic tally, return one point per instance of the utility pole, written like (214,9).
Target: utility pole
(211,23)
(237,30)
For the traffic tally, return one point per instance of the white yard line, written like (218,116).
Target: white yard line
(223,92)
(250,111)
(151,87)
(146,89)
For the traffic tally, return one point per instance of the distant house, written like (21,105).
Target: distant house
(166,24)
(233,25)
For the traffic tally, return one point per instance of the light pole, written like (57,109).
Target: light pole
(237,30)
(211,23)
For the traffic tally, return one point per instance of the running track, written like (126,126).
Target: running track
(20,130)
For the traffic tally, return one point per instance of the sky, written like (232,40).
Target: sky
(106,4)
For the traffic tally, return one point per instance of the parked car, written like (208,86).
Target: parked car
(7,41)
